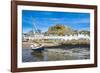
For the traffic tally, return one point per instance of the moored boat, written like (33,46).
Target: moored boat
(36,47)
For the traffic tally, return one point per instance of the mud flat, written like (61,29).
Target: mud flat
(72,43)
(69,54)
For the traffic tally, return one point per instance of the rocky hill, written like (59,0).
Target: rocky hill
(62,30)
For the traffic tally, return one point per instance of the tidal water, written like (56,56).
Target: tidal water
(55,54)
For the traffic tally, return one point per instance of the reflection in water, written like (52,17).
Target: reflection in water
(53,54)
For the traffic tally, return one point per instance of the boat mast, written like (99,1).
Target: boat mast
(35,29)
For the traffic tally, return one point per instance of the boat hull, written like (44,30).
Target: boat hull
(38,49)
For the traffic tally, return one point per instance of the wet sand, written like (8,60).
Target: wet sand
(55,45)
(55,54)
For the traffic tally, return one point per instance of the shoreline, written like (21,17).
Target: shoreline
(27,45)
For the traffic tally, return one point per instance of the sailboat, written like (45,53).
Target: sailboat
(36,46)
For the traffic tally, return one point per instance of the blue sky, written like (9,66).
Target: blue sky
(44,19)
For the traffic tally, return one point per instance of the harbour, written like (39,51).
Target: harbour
(57,42)
(56,54)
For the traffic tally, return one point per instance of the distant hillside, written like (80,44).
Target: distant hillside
(84,32)
(60,29)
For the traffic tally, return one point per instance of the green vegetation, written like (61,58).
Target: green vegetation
(59,29)
(62,30)
(84,32)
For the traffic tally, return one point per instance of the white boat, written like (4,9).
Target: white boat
(36,47)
